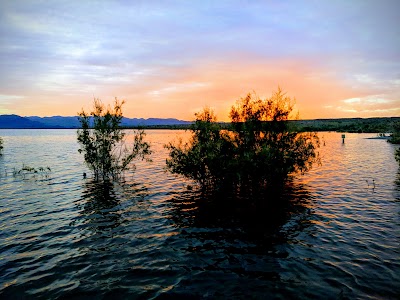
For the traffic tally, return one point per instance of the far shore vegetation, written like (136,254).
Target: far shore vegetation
(383,125)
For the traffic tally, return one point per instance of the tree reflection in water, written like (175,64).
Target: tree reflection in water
(106,244)
(240,238)
(100,206)
(260,215)
(103,206)
(220,239)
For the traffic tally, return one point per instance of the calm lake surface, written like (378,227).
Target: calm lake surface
(153,236)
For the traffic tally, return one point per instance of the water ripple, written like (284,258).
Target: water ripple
(151,237)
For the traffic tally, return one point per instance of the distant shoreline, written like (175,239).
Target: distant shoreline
(350,125)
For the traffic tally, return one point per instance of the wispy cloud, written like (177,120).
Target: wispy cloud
(352,100)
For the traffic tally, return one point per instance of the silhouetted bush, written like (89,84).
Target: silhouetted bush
(103,141)
(206,158)
(395,139)
(260,149)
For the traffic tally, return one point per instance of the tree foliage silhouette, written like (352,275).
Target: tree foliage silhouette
(103,142)
(260,149)
(395,139)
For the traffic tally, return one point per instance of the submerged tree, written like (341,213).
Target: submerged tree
(203,158)
(267,147)
(103,141)
(395,136)
(395,139)
(260,149)
(1,146)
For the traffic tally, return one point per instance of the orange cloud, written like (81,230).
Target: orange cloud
(220,84)
(179,92)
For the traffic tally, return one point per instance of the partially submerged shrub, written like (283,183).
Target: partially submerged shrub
(395,139)
(205,157)
(31,172)
(1,146)
(395,136)
(103,141)
(259,150)
(268,149)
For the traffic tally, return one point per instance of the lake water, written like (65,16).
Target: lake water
(153,236)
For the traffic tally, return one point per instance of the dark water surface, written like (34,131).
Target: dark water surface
(153,237)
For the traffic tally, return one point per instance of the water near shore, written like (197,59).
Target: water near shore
(153,237)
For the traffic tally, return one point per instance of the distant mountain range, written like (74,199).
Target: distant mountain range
(385,124)
(58,122)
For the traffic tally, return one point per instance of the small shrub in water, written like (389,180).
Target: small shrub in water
(395,139)
(32,172)
(103,144)
(395,136)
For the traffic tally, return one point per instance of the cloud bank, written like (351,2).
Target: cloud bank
(168,59)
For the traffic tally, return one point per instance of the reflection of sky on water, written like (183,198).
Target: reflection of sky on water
(151,235)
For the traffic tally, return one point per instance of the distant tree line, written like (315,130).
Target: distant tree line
(355,125)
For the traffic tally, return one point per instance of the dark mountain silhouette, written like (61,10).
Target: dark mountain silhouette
(14,121)
(17,122)
(57,121)
(384,124)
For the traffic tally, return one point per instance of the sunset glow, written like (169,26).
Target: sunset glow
(338,59)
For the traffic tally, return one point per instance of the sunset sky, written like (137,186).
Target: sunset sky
(171,58)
